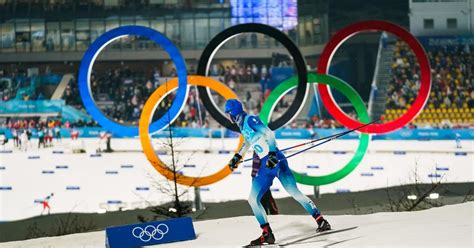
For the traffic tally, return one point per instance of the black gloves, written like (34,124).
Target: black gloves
(234,162)
(272,160)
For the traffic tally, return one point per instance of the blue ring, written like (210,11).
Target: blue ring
(89,59)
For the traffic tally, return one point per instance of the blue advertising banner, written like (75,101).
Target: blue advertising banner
(150,233)
(279,74)
(446,41)
(33,106)
(183,132)
(427,134)
(290,133)
(283,133)
(83,132)
(51,79)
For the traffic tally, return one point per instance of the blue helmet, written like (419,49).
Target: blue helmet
(233,108)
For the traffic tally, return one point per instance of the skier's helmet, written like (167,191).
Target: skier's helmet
(233,108)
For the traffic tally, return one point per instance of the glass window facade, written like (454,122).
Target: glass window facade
(143,43)
(53,42)
(82,34)
(428,23)
(172,30)
(452,23)
(38,36)
(202,31)
(159,25)
(22,35)
(187,31)
(8,37)
(97,28)
(68,40)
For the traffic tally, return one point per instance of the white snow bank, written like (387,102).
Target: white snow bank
(126,180)
(448,226)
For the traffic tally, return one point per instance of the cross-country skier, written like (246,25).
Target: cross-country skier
(45,203)
(458,141)
(258,136)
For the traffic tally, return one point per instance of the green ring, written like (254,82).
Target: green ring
(353,97)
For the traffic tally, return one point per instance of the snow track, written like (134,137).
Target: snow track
(448,226)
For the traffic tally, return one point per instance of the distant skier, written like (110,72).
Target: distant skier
(262,140)
(458,141)
(45,203)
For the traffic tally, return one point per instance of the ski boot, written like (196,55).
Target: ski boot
(267,237)
(323,224)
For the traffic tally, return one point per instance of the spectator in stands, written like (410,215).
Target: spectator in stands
(67,124)
(14,133)
(74,134)
(470,102)
(123,91)
(24,140)
(233,73)
(453,80)
(29,133)
(254,73)
(48,138)
(41,135)
(3,140)
(264,71)
(248,75)
(263,84)
(57,133)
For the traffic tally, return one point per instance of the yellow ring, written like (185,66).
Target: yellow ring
(147,114)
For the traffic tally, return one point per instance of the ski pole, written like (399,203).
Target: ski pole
(311,147)
(327,139)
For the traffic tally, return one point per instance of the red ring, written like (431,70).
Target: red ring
(375,25)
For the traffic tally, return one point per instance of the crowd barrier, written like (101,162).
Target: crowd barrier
(283,133)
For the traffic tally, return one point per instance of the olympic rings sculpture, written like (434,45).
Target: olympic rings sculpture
(88,61)
(147,114)
(425,87)
(150,232)
(354,98)
(300,82)
(220,39)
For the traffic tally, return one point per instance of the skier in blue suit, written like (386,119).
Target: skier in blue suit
(258,136)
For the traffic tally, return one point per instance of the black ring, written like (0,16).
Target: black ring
(220,39)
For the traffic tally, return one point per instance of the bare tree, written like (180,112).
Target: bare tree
(68,224)
(177,207)
(399,201)
(353,204)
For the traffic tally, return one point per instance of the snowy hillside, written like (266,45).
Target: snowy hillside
(449,226)
(89,183)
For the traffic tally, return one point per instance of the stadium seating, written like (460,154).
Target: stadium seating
(451,102)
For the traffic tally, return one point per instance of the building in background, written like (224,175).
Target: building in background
(63,30)
(441,17)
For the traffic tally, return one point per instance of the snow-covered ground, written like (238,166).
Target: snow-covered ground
(125,179)
(448,226)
